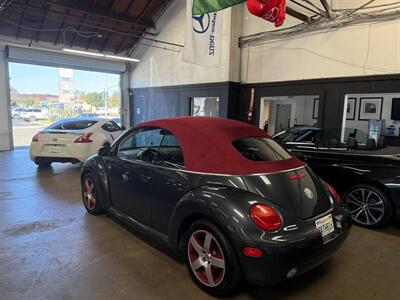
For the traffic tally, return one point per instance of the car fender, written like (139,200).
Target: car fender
(92,165)
(227,207)
(344,175)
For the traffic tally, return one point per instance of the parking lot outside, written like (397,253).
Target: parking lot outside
(23,131)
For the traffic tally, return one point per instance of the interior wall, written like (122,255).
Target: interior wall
(159,67)
(386,111)
(5,122)
(170,101)
(360,50)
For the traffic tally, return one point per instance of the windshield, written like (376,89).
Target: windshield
(301,135)
(343,139)
(260,149)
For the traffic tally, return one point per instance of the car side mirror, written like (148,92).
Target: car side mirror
(123,128)
(104,151)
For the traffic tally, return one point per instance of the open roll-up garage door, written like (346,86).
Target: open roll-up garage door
(56,59)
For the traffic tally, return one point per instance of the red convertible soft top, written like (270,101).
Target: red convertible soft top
(207,145)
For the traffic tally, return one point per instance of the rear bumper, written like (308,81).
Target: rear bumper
(75,153)
(301,254)
(56,159)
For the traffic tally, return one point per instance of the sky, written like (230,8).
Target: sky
(32,79)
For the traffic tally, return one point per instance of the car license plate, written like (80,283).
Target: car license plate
(325,225)
(55,149)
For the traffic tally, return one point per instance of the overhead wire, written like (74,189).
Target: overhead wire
(307,8)
(369,7)
(313,5)
(5,3)
(91,34)
(362,6)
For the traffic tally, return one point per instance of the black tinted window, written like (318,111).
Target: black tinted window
(75,125)
(260,149)
(338,138)
(170,153)
(141,145)
(111,126)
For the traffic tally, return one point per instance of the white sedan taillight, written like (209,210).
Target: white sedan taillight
(84,139)
(35,138)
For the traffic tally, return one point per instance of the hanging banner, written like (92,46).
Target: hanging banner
(203,38)
(207,6)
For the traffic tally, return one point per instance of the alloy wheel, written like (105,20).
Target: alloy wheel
(366,206)
(89,194)
(206,258)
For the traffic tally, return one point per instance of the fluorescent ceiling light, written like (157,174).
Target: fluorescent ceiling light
(123,58)
(83,52)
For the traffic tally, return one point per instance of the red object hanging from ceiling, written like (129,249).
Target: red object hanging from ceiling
(271,10)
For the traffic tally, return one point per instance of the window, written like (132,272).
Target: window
(75,125)
(170,153)
(205,107)
(260,149)
(339,139)
(111,126)
(141,145)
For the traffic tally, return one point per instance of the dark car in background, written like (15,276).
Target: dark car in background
(365,173)
(222,194)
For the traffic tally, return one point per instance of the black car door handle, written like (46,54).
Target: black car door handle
(305,156)
(145,178)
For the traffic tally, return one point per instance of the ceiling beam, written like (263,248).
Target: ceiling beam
(78,5)
(21,20)
(307,8)
(298,15)
(17,7)
(327,8)
(40,26)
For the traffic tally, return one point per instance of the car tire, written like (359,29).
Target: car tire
(217,261)
(42,163)
(91,196)
(369,206)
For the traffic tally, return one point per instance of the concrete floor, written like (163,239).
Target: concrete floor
(50,248)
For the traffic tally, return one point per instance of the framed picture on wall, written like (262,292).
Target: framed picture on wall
(315,108)
(351,108)
(370,108)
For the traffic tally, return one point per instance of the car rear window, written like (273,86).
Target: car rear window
(260,149)
(75,125)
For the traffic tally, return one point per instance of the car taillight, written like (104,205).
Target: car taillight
(84,139)
(35,138)
(265,217)
(335,195)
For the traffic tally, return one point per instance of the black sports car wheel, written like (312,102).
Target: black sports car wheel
(90,195)
(369,206)
(211,260)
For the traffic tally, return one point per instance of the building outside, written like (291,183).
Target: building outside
(66,85)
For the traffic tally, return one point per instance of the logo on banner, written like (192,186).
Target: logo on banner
(201,23)
(272,15)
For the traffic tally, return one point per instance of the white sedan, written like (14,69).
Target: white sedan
(73,140)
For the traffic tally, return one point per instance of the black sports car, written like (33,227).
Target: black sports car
(222,194)
(365,173)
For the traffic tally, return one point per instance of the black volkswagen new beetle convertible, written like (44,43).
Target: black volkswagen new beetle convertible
(222,194)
